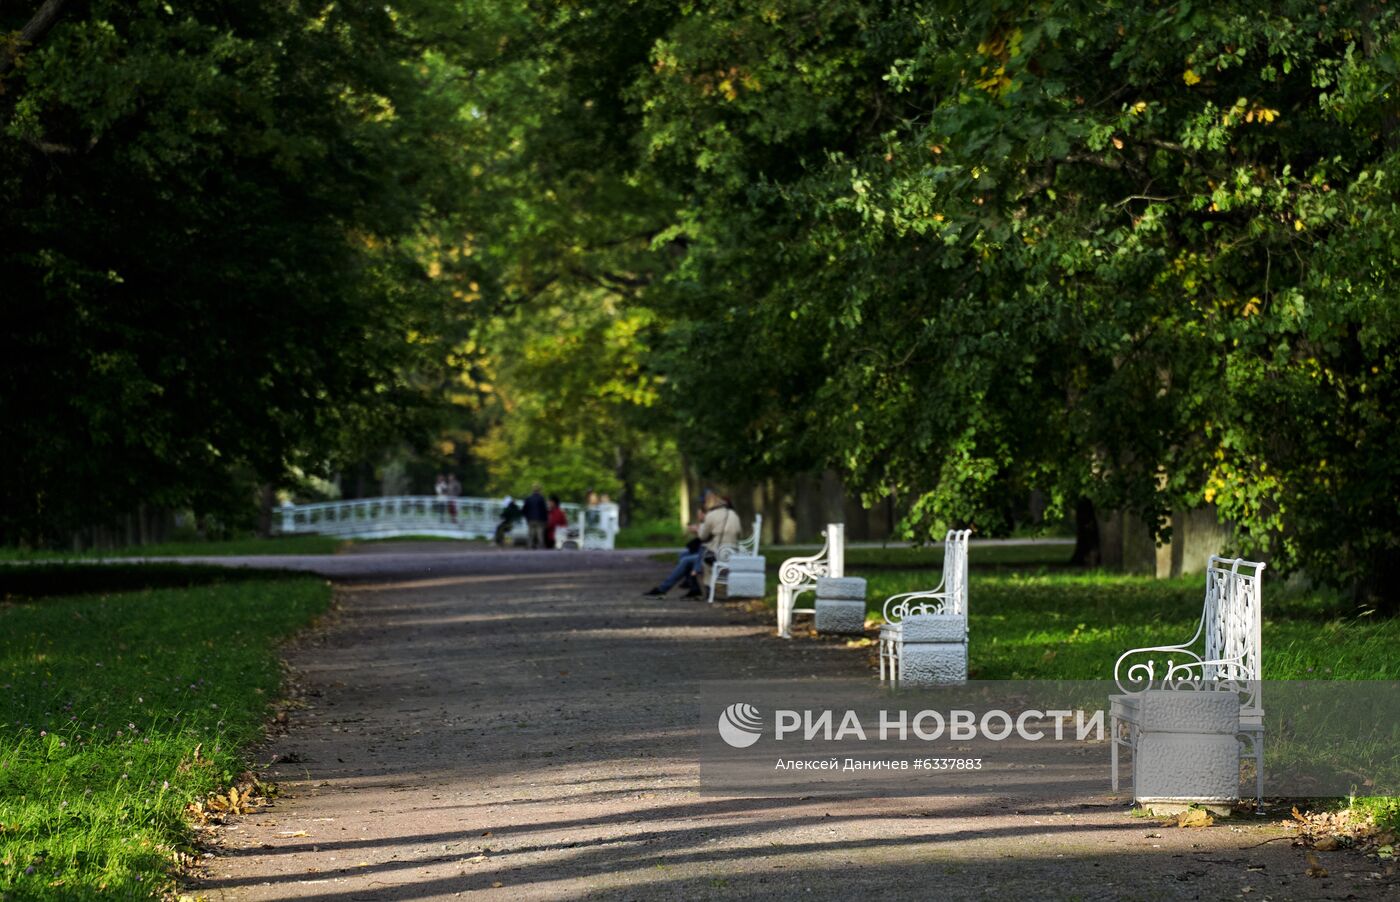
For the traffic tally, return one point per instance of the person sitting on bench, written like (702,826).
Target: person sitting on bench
(718,526)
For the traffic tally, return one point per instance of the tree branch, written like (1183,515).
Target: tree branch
(1103,162)
(32,32)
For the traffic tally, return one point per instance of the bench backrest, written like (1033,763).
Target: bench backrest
(750,545)
(955,568)
(949,597)
(1226,649)
(1231,622)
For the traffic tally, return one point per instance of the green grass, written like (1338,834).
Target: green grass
(1037,622)
(104,700)
(193,548)
(46,579)
(1041,624)
(663,533)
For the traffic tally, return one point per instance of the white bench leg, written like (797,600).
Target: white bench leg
(714,581)
(1257,748)
(784,612)
(1113,750)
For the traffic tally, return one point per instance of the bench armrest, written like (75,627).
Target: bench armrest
(897,607)
(1140,675)
(796,571)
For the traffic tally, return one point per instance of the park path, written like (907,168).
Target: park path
(523,726)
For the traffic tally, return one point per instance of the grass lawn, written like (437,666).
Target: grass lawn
(1043,624)
(1037,622)
(663,533)
(226,547)
(118,710)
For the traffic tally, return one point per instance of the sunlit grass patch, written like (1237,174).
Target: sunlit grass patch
(118,711)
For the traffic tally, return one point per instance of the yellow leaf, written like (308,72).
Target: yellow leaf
(1118,143)
(1190,77)
(1298,225)
(1139,107)
(1194,817)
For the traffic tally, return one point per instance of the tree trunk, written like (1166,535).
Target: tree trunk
(1380,590)
(623,470)
(1086,535)
(267,498)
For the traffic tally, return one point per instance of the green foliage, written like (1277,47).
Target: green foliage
(557,384)
(573,406)
(659,533)
(1145,254)
(119,711)
(212,221)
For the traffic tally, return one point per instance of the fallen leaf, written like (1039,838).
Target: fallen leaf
(1194,817)
(497,884)
(1315,868)
(1326,844)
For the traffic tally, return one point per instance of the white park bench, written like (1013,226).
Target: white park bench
(592,528)
(745,553)
(799,574)
(1224,655)
(924,638)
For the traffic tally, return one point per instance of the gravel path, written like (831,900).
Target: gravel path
(489,722)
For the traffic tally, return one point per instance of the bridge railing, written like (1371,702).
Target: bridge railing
(431,515)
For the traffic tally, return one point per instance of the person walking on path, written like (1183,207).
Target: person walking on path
(536,516)
(557,520)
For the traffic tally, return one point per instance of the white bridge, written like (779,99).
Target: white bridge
(593,527)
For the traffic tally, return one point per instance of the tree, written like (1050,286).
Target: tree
(1142,255)
(211,225)
(573,404)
